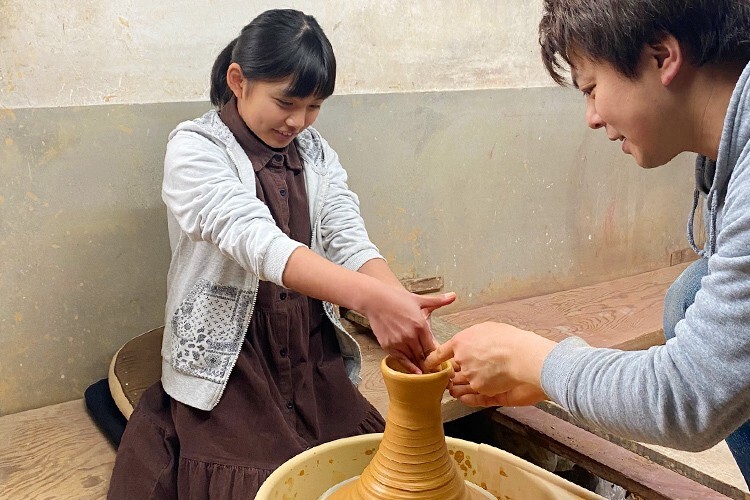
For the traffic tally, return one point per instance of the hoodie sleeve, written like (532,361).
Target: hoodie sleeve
(695,390)
(342,228)
(210,203)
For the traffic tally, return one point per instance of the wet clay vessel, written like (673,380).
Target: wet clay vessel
(412,461)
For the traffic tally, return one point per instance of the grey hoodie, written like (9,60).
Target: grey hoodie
(695,390)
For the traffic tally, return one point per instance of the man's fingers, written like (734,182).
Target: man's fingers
(519,396)
(523,395)
(477,400)
(460,379)
(460,390)
(444,352)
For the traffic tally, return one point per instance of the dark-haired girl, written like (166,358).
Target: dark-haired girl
(265,236)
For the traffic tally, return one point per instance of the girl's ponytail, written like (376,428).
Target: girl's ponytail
(220,92)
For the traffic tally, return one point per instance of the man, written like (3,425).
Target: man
(661,77)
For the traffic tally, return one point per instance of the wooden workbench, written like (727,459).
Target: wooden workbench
(58,452)
(55,452)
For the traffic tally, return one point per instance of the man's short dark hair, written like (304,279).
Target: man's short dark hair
(616,31)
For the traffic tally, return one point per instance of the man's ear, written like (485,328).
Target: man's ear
(236,80)
(668,57)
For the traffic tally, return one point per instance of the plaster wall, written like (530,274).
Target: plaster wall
(501,192)
(468,164)
(87,52)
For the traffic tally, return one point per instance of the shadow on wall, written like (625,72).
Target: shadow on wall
(84,231)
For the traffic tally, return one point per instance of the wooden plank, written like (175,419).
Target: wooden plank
(355,317)
(423,285)
(372,386)
(691,465)
(602,458)
(54,452)
(714,467)
(443,330)
(682,256)
(57,451)
(625,313)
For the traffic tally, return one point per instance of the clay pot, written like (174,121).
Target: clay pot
(412,461)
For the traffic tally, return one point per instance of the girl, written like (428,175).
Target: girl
(262,227)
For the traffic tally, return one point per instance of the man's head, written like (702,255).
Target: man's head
(636,61)
(616,31)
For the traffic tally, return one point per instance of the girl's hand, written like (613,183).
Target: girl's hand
(400,321)
(495,363)
(398,318)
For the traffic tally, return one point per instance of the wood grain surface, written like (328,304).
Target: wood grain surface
(58,452)
(625,313)
(55,452)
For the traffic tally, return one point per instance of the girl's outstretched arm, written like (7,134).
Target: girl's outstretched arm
(398,317)
(378,268)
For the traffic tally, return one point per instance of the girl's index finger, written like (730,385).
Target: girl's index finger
(444,352)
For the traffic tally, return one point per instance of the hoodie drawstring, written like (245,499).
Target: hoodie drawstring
(710,247)
(691,219)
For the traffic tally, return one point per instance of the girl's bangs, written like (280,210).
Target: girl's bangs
(314,74)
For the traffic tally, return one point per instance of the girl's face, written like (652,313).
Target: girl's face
(268,110)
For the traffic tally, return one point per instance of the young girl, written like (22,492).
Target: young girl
(262,227)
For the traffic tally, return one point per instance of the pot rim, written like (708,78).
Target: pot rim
(387,367)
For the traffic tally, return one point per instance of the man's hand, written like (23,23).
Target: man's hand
(495,364)
(522,395)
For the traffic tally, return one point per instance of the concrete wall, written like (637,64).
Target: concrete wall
(497,186)
(84,52)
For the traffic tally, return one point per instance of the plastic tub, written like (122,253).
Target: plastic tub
(310,474)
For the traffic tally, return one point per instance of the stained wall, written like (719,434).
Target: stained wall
(468,162)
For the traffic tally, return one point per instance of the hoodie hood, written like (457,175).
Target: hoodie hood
(712,177)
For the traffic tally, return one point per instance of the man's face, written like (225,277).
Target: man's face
(638,112)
